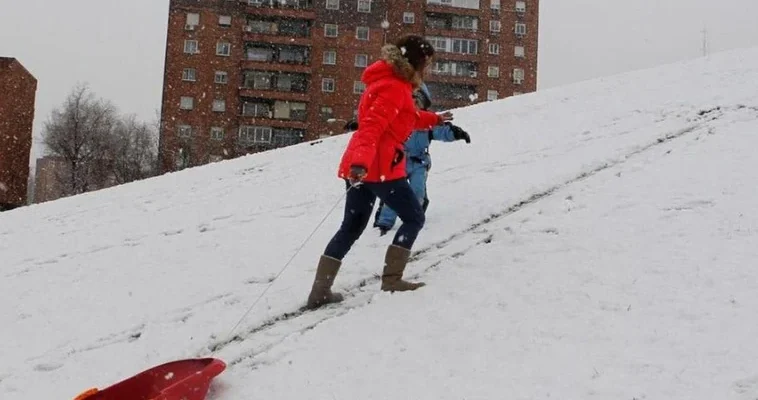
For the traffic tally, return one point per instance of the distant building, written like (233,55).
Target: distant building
(18,89)
(248,75)
(47,186)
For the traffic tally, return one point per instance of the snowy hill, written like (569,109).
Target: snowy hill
(594,241)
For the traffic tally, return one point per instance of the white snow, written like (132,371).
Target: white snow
(594,241)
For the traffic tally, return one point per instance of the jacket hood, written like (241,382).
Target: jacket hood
(391,63)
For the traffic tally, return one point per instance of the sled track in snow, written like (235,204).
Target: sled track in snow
(355,297)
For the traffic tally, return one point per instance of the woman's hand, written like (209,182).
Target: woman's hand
(446,116)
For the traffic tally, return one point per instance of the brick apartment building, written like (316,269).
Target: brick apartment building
(47,185)
(248,75)
(19,90)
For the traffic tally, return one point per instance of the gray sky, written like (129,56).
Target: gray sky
(118,46)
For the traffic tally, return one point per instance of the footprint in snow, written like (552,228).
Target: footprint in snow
(747,386)
(204,228)
(47,367)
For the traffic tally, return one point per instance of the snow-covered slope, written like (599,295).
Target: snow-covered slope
(593,241)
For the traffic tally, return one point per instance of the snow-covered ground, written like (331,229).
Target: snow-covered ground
(593,241)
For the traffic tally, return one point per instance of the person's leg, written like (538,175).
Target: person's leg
(385,219)
(359,202)
(399,195)
(417,180)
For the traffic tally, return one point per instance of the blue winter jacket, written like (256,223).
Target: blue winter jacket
(417,146)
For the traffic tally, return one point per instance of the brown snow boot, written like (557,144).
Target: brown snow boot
(394,265)
(321,292)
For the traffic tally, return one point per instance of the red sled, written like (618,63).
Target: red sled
(177,380)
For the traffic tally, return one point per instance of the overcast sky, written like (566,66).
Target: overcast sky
(118,46)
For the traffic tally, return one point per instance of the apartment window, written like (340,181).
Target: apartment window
(494,48)
(361,32)
(330,57)
(519,52)
(290,110)
(520,28)
(217,133)
(219,105)
(364,6)
(493,71)
(327,113)
(494,26)
(184,131)
(193,20)
(327,85)
(409,18)
(221,78)
(223,49)
(225,20)
(361,60)
(359,87)
(190,46)
(465,46)
(330,30)
(255,134)
(186,103)
(332,4)
(189,74)
(495,4)
(463,22)
(520,6)
(491,95)
(518,76)
(258,110)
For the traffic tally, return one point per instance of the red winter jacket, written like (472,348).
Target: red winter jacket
(386,117)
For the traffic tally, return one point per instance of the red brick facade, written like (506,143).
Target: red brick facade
(290,77)
(18,88)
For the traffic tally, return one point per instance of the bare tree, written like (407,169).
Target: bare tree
(134,150)
(81,134)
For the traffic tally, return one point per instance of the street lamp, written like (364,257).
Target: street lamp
(385,25)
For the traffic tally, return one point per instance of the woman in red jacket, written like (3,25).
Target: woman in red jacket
(373,165)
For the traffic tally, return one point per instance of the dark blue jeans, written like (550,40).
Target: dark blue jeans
(359,204)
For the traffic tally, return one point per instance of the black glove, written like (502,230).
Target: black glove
(459,133)
(351,125)
(357,173)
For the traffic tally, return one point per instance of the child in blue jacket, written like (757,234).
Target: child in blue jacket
(418,161)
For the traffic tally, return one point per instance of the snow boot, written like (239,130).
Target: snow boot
(394,264)
(321,292)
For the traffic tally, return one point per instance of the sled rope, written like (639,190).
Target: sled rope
(229,336)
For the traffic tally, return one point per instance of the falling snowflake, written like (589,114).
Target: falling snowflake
(382,178)
(169,375)
(403,50)
(401,239)
(3,187)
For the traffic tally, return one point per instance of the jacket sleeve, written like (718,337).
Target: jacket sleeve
(442,133)
(381,112)
(427,120)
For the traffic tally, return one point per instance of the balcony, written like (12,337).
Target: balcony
(447,71)
(282,8)
(285,57)
(276,85)
(293,114)
(456,25)
(446,93)
(454,6)
(278,30)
